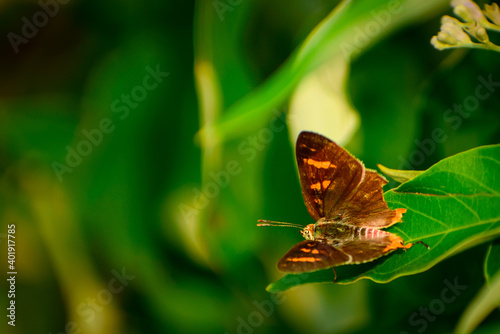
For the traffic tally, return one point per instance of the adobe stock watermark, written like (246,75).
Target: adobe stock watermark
(264,309)
(121,107)
(88,310)
(222,6)
(370,29)
(420,319)
(453,116)
(248,150)
(31,27)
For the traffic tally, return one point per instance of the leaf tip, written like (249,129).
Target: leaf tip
(271,288)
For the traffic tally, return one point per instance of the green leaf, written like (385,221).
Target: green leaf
(483,304)
(451,207)
(493,327)
(400,175)
(346,31)
(492,261)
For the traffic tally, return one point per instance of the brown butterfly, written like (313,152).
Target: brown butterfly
(347,203)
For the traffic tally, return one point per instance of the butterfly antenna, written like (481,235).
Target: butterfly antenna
(278,224)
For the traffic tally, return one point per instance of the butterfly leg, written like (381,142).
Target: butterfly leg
(335,273)
(410,245)
(397,243)
(423,243)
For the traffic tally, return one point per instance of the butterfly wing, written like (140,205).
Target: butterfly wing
(328,174)
(311,255)
(336,185)
(367,207)
(369,249)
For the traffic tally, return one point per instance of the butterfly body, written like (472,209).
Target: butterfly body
(335,233)
(346,201)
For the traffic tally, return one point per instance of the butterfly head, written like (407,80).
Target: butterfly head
(308,232)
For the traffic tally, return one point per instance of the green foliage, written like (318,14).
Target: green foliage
(169,190)
(492,261)
(337,34)
(486,302)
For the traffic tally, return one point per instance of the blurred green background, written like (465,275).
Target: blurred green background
(128,220)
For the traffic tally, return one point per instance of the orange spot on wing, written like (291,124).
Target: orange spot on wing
(319,164)
(305,259)
(315,251)
(396,242)
(398,215)
(326,183)
(325,164)
(316,186)
(305,250)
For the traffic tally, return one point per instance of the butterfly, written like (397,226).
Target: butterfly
(346,201)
